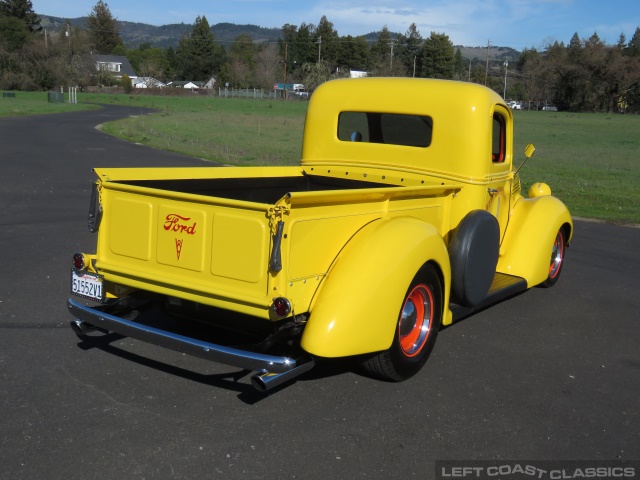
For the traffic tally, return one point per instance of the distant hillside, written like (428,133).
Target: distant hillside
(134,34)
(495,53)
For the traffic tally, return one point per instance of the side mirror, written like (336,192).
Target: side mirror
(529,150)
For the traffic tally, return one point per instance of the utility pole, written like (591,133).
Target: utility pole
(286,54)
(319,42)
(506,67)
(486,70)
(392,43)
(68,35)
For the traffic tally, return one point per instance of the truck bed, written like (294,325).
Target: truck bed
(260,190)
(212,235)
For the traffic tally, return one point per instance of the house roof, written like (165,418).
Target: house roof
(187,83)
(125,66)
(148,81)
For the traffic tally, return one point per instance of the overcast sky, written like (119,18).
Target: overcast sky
(515,23)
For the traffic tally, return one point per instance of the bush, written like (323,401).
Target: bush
(125,83)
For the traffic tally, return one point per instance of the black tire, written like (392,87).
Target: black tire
(557,259)
(417,328)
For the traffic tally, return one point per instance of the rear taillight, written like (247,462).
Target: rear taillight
(79,262)
(281,307)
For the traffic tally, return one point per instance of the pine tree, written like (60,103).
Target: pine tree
(22,10)
(438,57)
(380,54)
(353,53)
(198,55)
(633,47)
(327,39)
(409,48)
(103,29)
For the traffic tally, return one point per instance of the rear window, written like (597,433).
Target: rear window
(389,128)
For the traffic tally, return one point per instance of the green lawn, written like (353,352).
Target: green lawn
(229,131)
(35,103)
(591,161)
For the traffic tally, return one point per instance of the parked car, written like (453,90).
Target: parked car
(550,108)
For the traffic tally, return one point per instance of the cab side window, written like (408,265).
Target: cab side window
(499,134)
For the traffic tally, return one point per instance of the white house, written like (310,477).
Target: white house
(117,64)
(211,83)
(189,85)
(148,82)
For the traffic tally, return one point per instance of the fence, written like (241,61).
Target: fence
(58,97)
(246,93)
(259,94)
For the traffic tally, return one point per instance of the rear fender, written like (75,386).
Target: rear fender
(533,225)
(356,308)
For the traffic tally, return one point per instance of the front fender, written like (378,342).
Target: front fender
(356,308)
(533,225)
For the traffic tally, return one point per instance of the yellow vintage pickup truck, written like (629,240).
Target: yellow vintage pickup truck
(405,214)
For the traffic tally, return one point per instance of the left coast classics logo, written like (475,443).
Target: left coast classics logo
(179,224)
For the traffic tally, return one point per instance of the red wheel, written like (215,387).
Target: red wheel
(414,325)
(557,259)
(416,330)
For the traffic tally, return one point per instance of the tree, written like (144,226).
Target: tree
(633,47)
(593,63)
(381,60)
(316,73)
(532,74)
(103,29)
(326,37)
(574,49)
(125,83)
(13,33)
(353,53)
(22,10)
(438,57)
(147,61)
(268,67)
(409,46)
(460,68)
(199,57)
(300,45)
(631,94)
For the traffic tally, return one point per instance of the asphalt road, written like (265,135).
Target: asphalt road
(548,375)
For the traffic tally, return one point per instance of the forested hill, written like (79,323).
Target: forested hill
(134,34)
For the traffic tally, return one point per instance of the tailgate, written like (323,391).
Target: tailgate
(206,249)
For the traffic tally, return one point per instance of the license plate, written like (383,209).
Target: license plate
(87,285)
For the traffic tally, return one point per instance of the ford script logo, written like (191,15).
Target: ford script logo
(177,223)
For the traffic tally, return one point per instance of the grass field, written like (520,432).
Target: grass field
(591,161)
(35,103)
(229,131)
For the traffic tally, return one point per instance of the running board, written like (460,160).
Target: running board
(503,287)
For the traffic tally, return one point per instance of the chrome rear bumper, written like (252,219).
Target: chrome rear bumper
(271,370)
